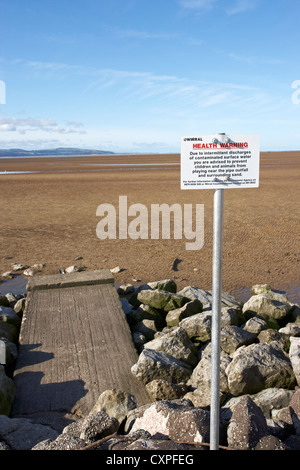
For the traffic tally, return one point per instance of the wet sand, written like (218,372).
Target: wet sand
(50,217)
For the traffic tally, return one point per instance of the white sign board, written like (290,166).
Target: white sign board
(220,161)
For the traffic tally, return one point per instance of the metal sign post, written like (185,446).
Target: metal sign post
(218,162)
(216,315)
(2,352)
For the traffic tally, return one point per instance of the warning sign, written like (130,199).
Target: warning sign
(220,161)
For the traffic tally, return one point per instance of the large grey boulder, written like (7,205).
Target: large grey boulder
(8,315)
(294,355)
(233,337)
(247,425)
(177,420)
(93,427)
(154,298)
(168,285)
(175,316)
(153,365)
(259,366)
(200,380)
(164,390)
(23,434)
(116,403)
(205,297)
(161,300)
(266,307)
(145,312)
(177,344)
(198,326)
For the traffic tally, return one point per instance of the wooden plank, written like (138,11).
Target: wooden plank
(75,343)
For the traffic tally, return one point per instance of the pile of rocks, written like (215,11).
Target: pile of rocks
(11,311)
(259,378)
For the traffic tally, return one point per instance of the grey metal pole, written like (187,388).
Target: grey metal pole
(216,314)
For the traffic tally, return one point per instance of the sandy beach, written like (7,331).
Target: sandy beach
(49,216)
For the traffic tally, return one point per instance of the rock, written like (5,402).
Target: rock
(115,403)
(193,293)
(4,302)
(62,442)
(294,355)
(192,307)
(164,390)
(291,329)
(125,289)
(291,414)
(93,427)
(198,325)
(270,443)
(231,316)
(31,271)
(161,299)
(176,301)
(272,399)
(295,314)
(191,425)
(247,425)
(18,267)
(9,331)
(292,443)
(8,315)
(269,335)
(23,434)
(153,365)
(7,275)
(19,306)
(260,288)
(177,344)
(139,340)
(178,421)
(202,372)
(145,312)
(295,410)
(233,337)
(116,270)
(205,297)
(7,394)
(266,307)
(71,269)
(145,327)
(168,285)
(154,298)
(259,366)
(255,325)
(200,379)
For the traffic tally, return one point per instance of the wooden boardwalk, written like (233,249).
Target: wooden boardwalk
(74,344)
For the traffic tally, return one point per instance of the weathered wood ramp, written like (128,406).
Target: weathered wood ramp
(74,344)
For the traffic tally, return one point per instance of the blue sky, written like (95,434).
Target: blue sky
(136,75)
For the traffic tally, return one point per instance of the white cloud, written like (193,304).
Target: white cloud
(197,4)
(232,7)
(240,6)
(142,34)
(252,60)
(24,125)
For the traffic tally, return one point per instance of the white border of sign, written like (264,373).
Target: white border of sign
(220,161)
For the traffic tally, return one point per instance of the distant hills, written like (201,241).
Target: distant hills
(51,152)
